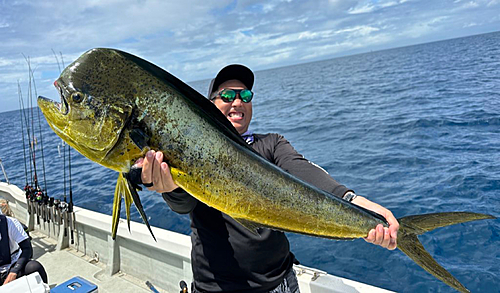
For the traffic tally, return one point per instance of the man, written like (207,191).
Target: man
(225,256)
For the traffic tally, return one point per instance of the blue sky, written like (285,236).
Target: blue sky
(194,39)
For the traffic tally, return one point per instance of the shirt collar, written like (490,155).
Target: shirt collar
(248,136)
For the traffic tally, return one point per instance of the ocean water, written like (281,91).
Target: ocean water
(416,129)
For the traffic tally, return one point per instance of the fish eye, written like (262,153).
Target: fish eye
(77,97)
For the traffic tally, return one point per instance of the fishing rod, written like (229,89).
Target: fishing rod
(44,192)
(63,207)
(57,60)
(28,189)
(39,195)
(40,133)
(22,133)
(33,141)
(70,206)
(25,120)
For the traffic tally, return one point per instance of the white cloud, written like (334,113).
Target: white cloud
(5,62)
(424,28)
(390,3)
(471,24)
(470,4)
(194,39)
(362,9)
(360,30)
(371,6)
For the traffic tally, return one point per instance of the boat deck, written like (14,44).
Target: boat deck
(62,265)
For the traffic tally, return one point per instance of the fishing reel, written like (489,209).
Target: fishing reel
(39,197)
(62,206)
(30,193)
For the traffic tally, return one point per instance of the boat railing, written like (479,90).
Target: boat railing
(134,252)
(4,173)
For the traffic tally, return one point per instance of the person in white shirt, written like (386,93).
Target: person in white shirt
(15,249)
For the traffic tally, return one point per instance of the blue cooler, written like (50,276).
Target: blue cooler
(75,285)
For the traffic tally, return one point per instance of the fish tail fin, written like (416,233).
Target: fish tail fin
(131,192)
(408,243)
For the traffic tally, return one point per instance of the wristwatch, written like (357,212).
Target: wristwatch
(349,196)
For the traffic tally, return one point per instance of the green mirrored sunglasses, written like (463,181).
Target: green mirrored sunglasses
(229,95)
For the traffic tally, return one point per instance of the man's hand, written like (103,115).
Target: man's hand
(383,236)
(10,277)
(155,171)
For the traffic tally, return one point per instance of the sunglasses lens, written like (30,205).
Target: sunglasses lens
(228,95)
(246,95)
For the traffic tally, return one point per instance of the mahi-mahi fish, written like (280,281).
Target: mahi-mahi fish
(116,106)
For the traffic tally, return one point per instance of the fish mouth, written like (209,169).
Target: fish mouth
(61,107)
(55,112)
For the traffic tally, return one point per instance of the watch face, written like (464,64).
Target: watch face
(349,196)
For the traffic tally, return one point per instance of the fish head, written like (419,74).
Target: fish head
(93,111)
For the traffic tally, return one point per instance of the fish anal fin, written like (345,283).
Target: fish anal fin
(249,225)
(411,246)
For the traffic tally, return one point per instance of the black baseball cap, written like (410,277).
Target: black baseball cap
(233,71)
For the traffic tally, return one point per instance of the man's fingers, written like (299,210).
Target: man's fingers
(138,163)
(371,236)
(387,238)
(379,237)
(393,230)
(157,172)
(393,244)
(147,167)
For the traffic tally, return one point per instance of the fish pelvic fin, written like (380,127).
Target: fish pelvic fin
(131,191)
(128,203)
(124,188)
(408,243)
(117,202)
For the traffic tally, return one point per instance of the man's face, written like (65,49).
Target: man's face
(238,112)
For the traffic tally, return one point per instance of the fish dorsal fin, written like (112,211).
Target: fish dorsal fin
(203,104)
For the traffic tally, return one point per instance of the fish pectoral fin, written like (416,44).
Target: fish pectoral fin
(139,137)
(411,246)
(249,225)
(132,193)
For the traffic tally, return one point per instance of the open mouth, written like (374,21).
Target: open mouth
(62,106)
(236,115)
